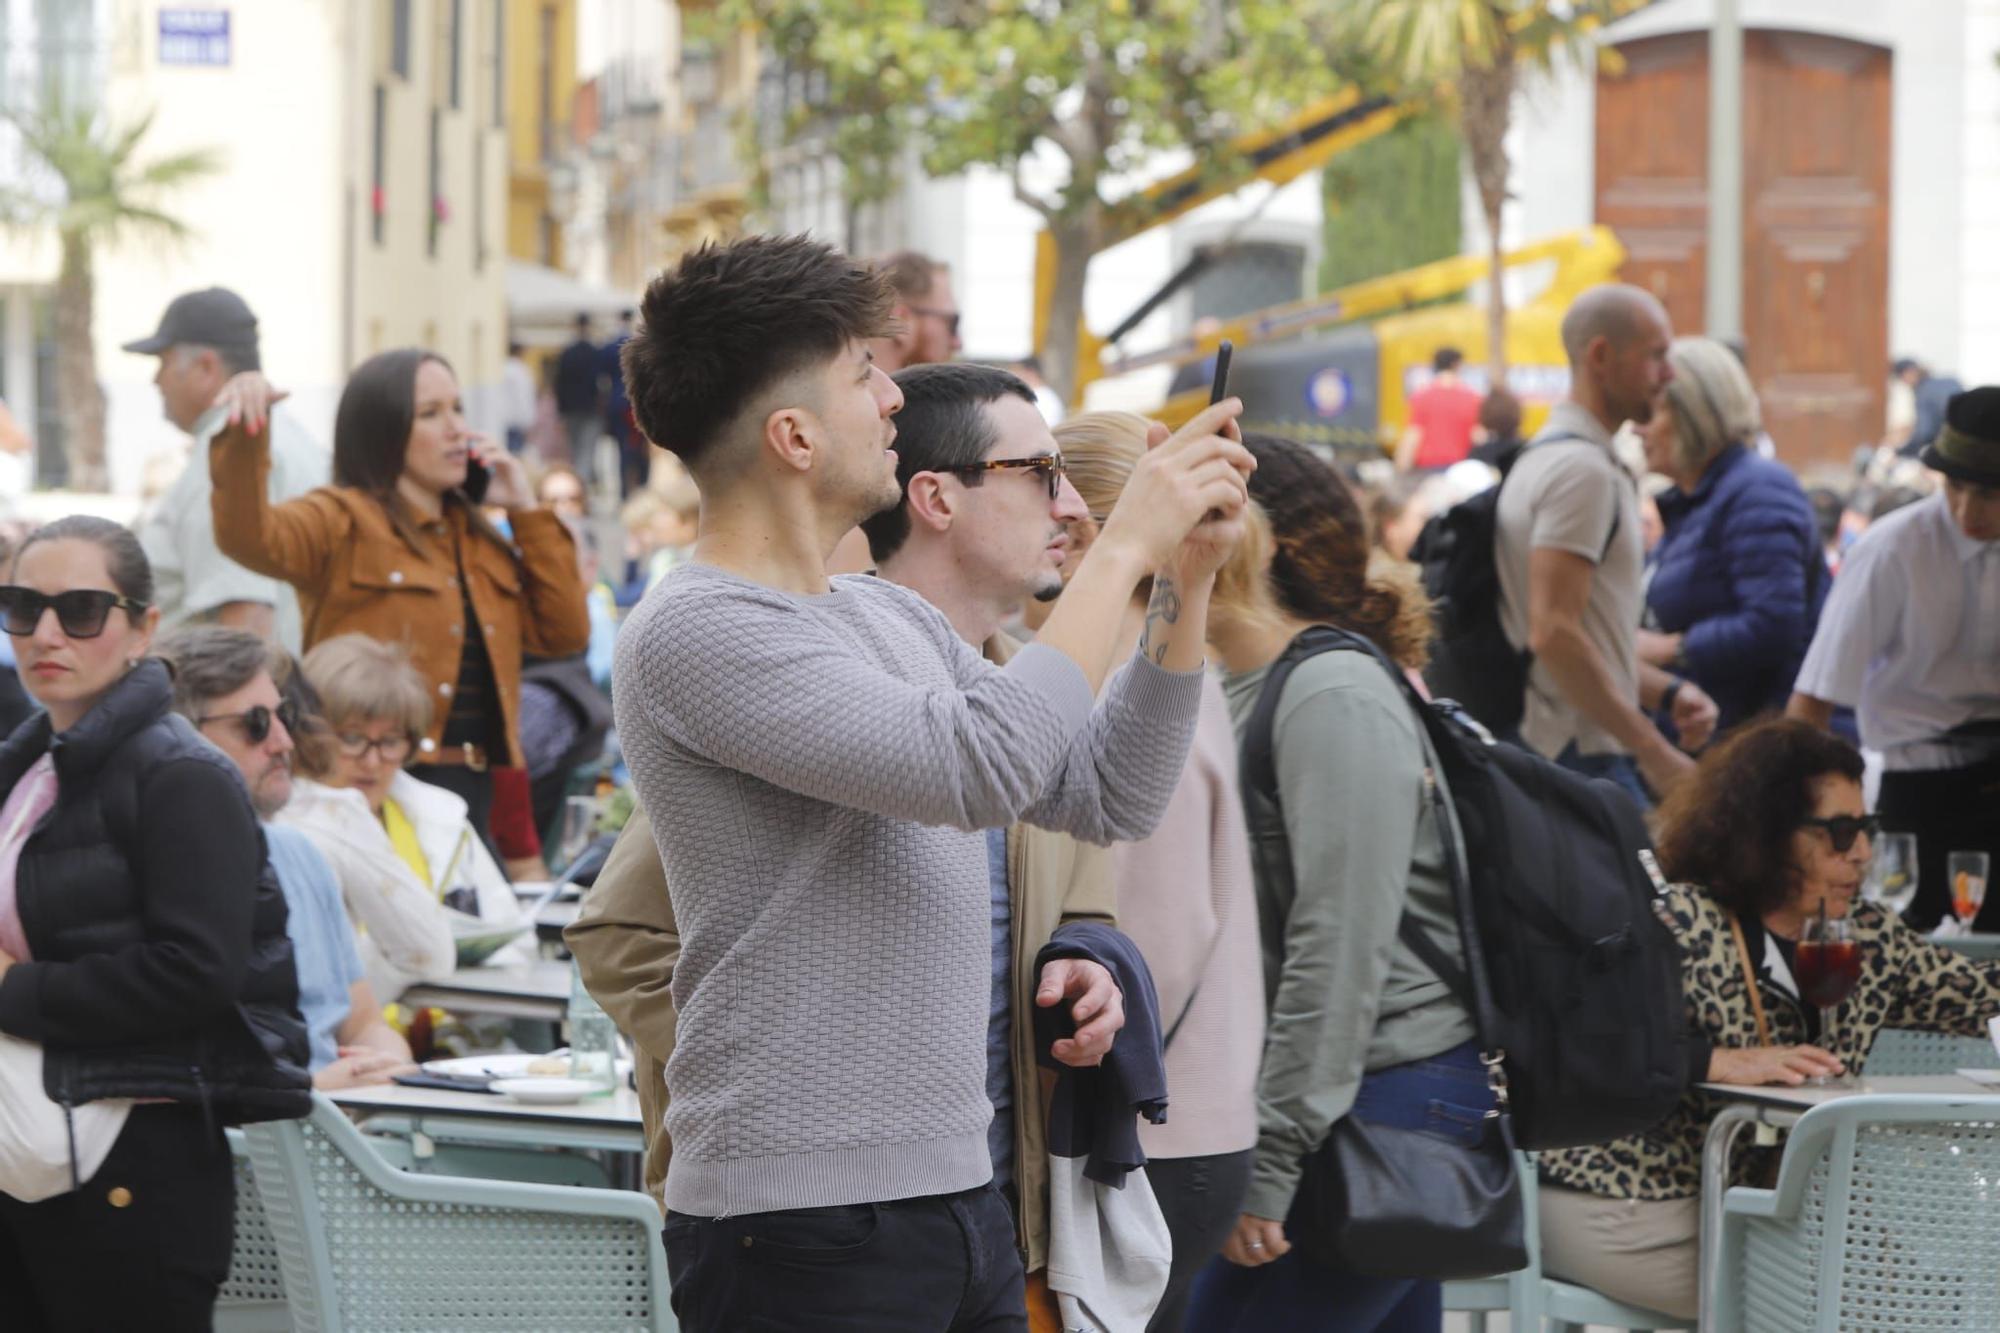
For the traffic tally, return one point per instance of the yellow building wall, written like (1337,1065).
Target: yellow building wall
(541,73)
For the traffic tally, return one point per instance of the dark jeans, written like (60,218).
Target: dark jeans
(1200,1197)
(945,1263)
(1446,1095)
(1617,768)
(144,1244)
(1950,810)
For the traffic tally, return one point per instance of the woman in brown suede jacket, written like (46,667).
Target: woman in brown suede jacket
(397,549)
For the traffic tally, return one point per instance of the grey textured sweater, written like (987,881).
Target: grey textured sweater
(818,770)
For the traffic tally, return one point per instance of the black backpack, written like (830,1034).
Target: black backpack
(1574,981)
(1472,661)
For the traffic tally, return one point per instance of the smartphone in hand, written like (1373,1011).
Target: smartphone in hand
(1219,390)
(477,478)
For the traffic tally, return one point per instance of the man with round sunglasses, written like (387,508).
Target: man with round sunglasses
(1910,639)
(224,683)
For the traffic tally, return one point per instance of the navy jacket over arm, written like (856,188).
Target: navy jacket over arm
(1095,1112)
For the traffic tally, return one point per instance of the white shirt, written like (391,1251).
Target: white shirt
(1910,638)
(517,394)
(191,575)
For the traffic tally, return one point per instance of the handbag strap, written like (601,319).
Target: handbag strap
(1750,980)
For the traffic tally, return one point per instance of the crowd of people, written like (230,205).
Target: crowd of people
(969,983)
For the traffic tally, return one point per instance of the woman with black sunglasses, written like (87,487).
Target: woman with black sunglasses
(1770,831)
(142,947)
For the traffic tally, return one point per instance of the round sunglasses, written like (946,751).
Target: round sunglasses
(1051,467)
(81,612)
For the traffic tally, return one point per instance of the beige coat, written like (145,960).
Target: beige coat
(627,944)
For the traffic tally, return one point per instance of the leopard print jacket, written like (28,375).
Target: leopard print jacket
(1906,982)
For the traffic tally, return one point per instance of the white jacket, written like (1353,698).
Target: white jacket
(406,931)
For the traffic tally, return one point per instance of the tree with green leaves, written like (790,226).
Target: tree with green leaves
(93,191)
(1471,55)
(1075,99)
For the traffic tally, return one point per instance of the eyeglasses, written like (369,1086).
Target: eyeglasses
(390,749)
(1842,830)
(950,317)
(1053,468)
(256,720)
(81,612)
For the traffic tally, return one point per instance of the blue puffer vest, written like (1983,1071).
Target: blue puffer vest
(1739,573)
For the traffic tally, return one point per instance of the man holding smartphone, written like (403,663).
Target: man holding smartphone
(821,758)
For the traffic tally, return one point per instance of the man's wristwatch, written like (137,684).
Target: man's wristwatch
(1668,695)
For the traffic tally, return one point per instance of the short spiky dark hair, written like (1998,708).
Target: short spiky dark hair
(729,321)
(944,424)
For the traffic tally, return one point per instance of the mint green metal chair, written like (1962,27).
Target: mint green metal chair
(366,1248)
(252,1299)
(1907,1052)
(1530,1298)
(1883,1220)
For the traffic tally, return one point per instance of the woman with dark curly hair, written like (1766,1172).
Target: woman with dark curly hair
(1772,830)
(1357,1025)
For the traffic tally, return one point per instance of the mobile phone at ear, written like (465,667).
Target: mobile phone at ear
(1220,389)
(477,478)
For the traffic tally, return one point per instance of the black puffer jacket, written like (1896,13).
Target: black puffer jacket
(161,965)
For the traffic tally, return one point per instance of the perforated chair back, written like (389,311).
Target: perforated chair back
(1882,1221)
(1907,1052)
(252,1299)
(364,1246)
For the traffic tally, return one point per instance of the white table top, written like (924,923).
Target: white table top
(1806,1097)
(619,1110)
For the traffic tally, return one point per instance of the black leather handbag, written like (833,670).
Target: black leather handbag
(1386,1201)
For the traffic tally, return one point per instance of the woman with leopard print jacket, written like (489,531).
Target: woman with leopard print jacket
(1771,827)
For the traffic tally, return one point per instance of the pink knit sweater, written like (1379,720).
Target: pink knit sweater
(1185,895)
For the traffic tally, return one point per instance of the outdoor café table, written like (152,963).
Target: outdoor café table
(1773,1108)
(538,990)
(1981,947)
(607,1124)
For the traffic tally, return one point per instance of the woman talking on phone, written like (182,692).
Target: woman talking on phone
(398,550)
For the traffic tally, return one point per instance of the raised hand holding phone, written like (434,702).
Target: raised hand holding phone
(493,476)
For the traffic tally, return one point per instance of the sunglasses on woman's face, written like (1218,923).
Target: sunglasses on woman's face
(81,612)
(1842,830)
(256,720)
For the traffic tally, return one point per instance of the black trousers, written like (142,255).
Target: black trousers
(1201,1198)
(1950,810)
(144,1244)
(945,1263)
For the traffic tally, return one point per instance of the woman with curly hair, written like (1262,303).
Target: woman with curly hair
(1772,830)
(1357,1025)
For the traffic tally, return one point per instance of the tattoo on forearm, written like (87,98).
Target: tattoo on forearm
(1162,614)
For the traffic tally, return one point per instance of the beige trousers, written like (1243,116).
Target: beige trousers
(1640,1251)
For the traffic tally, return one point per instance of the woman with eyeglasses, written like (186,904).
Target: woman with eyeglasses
(142,947)
(413,871)
(398,549)
(1771,831)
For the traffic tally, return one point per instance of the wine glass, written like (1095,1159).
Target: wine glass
(579,823)
(1966,873)
(1892,873)
(1827,968)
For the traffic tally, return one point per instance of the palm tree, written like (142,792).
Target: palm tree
(1472,54)
(95,193)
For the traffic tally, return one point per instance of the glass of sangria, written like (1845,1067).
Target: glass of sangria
(1827,968)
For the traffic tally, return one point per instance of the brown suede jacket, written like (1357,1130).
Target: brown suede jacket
(356,574)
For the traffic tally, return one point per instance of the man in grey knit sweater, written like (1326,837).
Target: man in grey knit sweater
(820,758)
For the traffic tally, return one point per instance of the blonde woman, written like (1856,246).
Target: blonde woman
(410,865)
(1185,897)
(1738,575)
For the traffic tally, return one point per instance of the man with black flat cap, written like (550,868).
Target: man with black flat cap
(1910,638)
(206,338)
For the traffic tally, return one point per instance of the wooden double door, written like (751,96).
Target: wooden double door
(1815,217)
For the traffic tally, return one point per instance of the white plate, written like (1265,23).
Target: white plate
(546,1091)
(509,1064)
